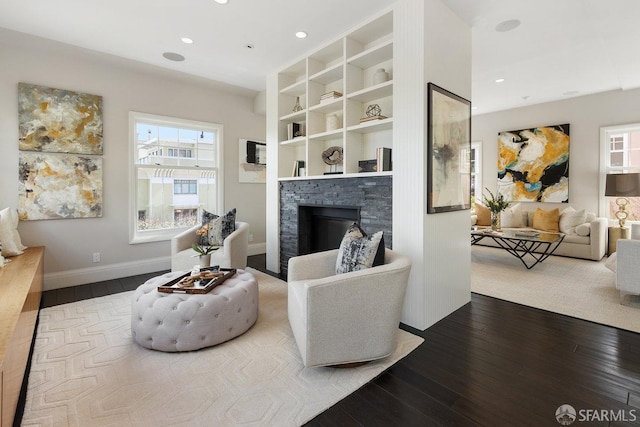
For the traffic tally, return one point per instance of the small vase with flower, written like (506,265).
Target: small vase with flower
(496,204)
(204,250)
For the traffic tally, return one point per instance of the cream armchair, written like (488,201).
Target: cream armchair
(345,318)
(232,254)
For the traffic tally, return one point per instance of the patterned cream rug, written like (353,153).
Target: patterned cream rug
(87,371)
(574,287)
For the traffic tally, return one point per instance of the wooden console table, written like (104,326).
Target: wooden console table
(20,292)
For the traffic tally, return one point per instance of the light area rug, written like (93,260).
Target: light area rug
(575,287)
(87,371)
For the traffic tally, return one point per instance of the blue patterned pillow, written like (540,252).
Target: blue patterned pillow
(358,250)
(219,227)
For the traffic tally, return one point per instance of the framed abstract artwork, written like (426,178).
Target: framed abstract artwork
(253,162)
(533,164)
(59,186)
(448,151)
(59,121)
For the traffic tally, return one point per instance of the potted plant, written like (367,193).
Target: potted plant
(204,251)
(496,204)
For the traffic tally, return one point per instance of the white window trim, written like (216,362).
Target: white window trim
(477,145)
(147,236)
(605,132)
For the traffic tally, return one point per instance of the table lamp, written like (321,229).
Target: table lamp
(622,186)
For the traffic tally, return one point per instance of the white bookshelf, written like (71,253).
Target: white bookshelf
(346,66)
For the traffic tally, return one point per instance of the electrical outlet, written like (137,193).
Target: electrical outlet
(250,237)
(96,257)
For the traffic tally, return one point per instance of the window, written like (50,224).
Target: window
(176,172)
(620,153)
(476,172)
(185,186)
(471,160)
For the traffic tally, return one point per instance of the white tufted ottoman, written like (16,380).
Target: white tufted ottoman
(182,322)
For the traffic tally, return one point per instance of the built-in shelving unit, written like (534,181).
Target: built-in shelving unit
(345,68)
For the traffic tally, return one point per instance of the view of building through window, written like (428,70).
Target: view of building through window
(177,167)
(623,157)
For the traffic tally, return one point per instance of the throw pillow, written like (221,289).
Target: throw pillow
(358,250)
(546,220)
(8,233)
(484,215)
(583,229)
(219,227)
(512,217)
(570,219)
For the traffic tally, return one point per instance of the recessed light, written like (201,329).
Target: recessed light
(301,34)
(508,25)
(571,92)
(172,56)
(499,80)
(222,1)
(186,40)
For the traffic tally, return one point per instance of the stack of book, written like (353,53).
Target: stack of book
(383,159)
(298,168)
(326,97)
(369,118)
(381,163)
(295,130)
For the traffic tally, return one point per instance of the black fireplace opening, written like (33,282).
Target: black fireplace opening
(322,227)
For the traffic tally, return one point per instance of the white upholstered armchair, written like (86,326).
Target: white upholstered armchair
(232,254)
(628,263)
(345,318)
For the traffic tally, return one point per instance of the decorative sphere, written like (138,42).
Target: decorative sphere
(373,110)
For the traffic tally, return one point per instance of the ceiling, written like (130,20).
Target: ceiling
(563,48)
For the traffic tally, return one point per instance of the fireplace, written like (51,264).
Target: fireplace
(321,227)
(370,196)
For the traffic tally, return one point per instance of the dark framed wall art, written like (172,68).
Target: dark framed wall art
(448,151)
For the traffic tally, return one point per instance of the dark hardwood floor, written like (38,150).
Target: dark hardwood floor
(491,363)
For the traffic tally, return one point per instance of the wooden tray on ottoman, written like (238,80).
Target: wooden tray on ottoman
(209,280)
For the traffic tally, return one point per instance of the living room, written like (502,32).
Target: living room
(132,86)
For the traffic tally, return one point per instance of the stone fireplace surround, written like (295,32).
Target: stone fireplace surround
(371,194)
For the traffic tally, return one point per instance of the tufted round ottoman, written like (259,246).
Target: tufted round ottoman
(182,322)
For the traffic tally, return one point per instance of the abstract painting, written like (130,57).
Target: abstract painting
(59,121)
(533,164)
(448,139)
(54,186)
(253,162)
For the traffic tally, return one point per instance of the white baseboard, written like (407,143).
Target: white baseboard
(81,276)
(257,248)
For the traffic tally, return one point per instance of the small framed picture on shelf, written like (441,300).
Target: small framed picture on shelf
(448,151)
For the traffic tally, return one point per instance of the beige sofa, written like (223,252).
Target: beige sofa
(592,246)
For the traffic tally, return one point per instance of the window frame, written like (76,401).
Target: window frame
(605,155)
(146,236)
(477,147)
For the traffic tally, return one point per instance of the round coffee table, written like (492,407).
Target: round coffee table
(182,322)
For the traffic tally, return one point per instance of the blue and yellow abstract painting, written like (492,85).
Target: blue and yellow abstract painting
(533,164)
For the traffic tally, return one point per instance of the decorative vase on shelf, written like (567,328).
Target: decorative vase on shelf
(204,260)
(297,107)
(333,122)
(495,221)
(380,76)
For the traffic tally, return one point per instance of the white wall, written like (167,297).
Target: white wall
(431,44)
(125,86)
(585,114)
